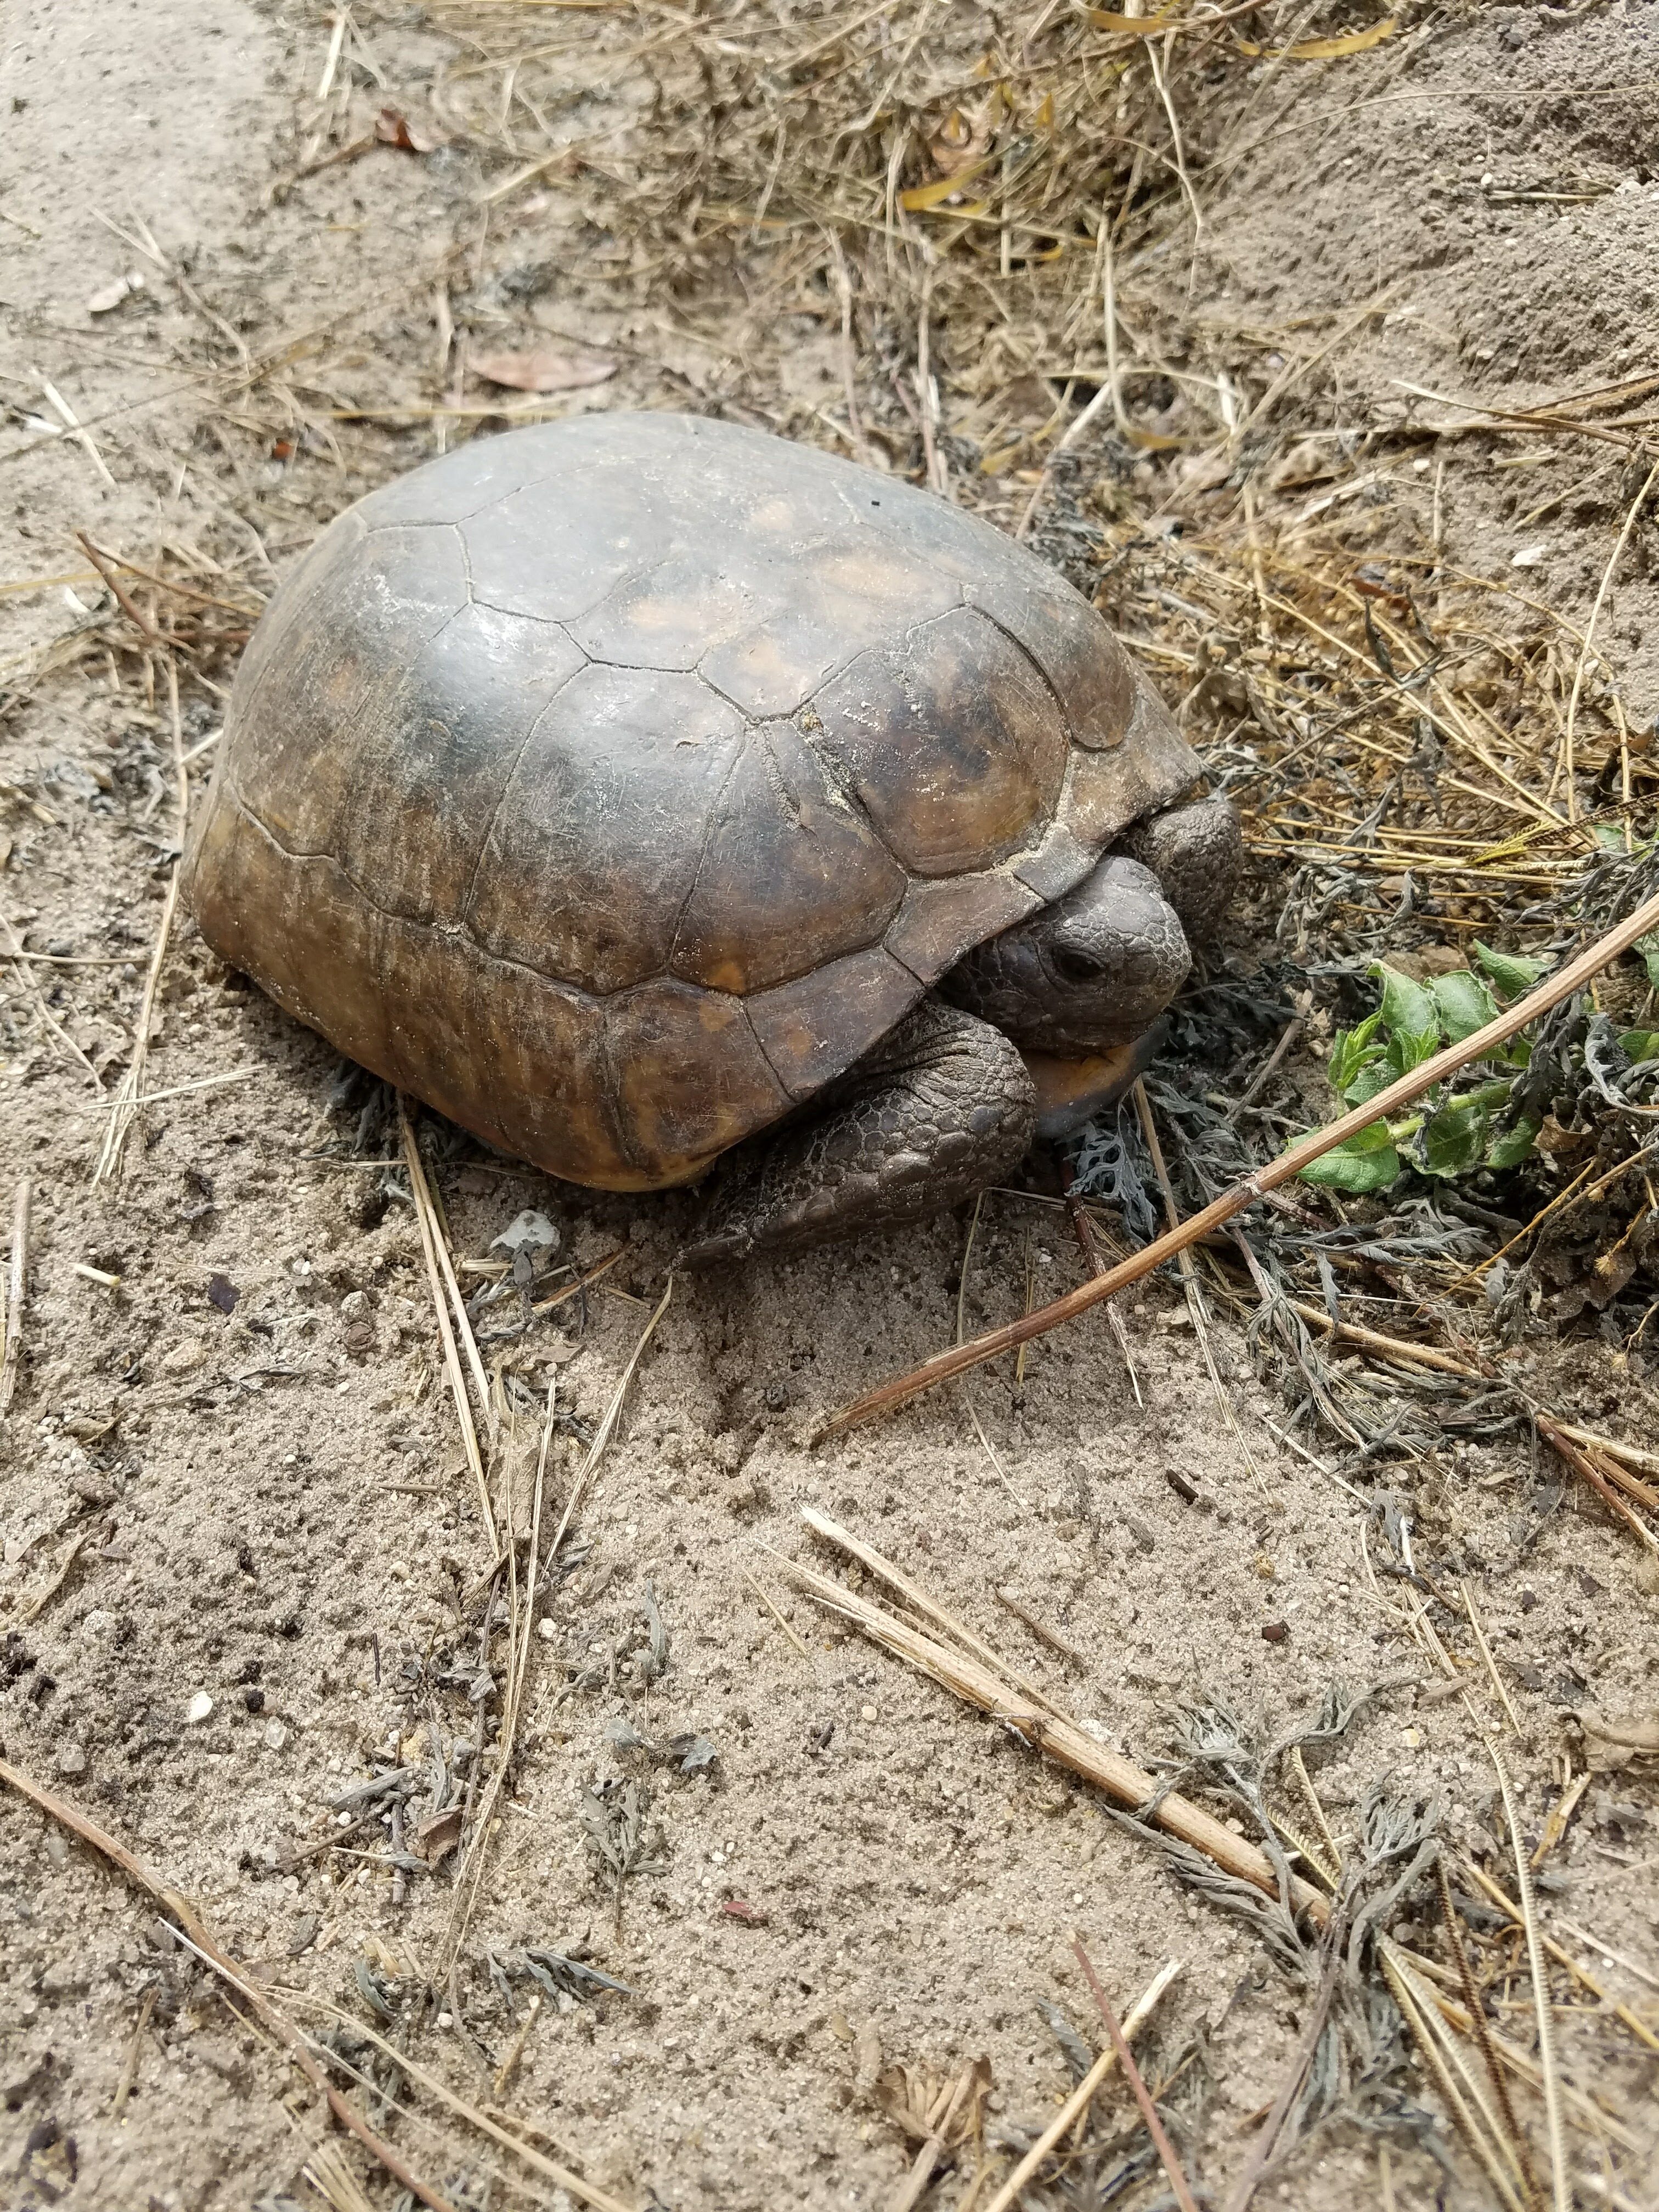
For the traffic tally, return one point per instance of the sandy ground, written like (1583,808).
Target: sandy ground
(237,1477)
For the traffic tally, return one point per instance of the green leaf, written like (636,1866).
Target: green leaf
(1367,1162)
(1639,1045)
(1647,946)
(1465,1004)
(1513,1146)
(1454,1139)
(1609,839)
(1409,1048)
(1406,1006)
(1512,973)
(1354,1051)
(1370,1081)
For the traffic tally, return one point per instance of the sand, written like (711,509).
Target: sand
(238,1532)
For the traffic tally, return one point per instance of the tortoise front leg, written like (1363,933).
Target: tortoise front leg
(942,1106)
(1197,853)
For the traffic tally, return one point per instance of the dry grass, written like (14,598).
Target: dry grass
(973,223)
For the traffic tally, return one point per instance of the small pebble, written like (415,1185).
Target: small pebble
(198,1708)
(866,1712)
(276,1736)
(254,1700)
(71,1759)
(446,2019)
(546,1629)
(1275,1631)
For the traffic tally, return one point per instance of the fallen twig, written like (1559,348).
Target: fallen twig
(914,1596)
(16,1284)
(1143,2097)
(989,1687)
(429,1234)
(1296,2074)
(1404,1092)
(1473,2005)
(1462,2093)
(1542,2004)
(1578,1459)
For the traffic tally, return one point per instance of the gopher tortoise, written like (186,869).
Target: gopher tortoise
(630,786)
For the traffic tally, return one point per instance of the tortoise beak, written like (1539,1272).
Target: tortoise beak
(1070,1092)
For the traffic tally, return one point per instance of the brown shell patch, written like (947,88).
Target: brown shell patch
(457,486)
(595,844)
(1092,675)
(536,1081)
(690,1079)
(813,1029)
(791,875)
(937,919)
(426,779)
(951,740)
(306,583)
(329,686)
(1107,791)
(1059,862)
(298,926)
(827,602)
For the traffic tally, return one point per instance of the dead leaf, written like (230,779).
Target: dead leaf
(921,197)
(545,371)
(437,1835)
(394,128)
(1132,26)
(90,1428)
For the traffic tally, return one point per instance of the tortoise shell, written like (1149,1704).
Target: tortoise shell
(614,784)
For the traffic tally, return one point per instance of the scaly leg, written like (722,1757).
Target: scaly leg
(941,1107)
(1196,852)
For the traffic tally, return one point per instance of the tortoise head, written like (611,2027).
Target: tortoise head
(1091,971)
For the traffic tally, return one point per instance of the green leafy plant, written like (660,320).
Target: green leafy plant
(1451,1129)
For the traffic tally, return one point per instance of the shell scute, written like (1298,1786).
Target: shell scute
(814,1028)
(428,776)
(951,743)
(595,845)
(689,1078)
(558,553)
(791,875)
(324,691)
(668,617)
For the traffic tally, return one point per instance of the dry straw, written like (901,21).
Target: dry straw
(976,1675)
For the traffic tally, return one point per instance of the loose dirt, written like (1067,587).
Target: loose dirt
(242,1547)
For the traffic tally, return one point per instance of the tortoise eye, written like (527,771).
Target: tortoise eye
(1072,965)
